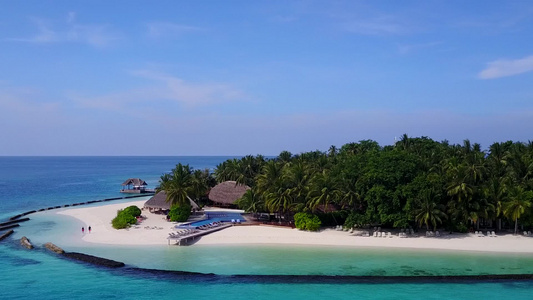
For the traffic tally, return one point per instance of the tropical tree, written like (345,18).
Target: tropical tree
(519,202)
(177,185)
(251,201)
(323,191)
(429,211)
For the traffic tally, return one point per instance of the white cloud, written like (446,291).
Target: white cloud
(94,35)
(164,89)
(168,29)
(507,67)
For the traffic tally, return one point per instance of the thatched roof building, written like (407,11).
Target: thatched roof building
(136,182)
(159,201)
(227,192)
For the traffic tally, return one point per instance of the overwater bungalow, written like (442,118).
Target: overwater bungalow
(227,192)
(135,186)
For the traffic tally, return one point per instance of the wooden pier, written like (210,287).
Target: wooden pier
(177,240)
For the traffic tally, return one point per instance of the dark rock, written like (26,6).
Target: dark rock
(9,227)
(54,248)
(14,222)
(3,236)
(94,260)
(25,242)
(15,217)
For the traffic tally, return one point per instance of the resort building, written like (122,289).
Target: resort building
(159,203)
(227,192)
(135,186)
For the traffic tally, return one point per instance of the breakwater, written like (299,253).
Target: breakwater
(6,234)
(317,279)
(17,217)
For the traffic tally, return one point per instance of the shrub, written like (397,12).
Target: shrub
(126,217)
(123,220)
(179,213)
(132,210)
(305,221)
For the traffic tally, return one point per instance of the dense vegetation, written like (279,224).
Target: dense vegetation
(417,182)
(183,182)
(126,217)
(179,213)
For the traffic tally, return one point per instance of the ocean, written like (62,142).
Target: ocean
(241,272)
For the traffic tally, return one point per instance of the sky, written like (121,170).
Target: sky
(260,77)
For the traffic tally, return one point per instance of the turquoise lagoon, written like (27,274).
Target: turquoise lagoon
(38,273)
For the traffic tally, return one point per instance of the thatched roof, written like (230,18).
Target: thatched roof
(159,201)
(134,182)
(227,192)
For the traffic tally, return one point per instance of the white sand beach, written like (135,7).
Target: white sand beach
(99,218)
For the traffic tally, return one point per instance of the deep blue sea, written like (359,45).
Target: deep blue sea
(29,183)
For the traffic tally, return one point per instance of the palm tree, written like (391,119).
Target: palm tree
(323,191)
(251,202)
(495,192)
(270,176)
(429,212)
(519,201)
(177,185)
(285,156)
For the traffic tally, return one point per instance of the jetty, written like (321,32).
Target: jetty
(193,234)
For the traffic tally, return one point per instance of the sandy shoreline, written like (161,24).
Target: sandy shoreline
(99,218)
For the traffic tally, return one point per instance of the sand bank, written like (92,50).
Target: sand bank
(155,229)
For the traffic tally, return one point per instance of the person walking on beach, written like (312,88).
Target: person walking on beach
(89,229)
(82,230)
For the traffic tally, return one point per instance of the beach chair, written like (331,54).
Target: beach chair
(375,234)
(529,233)
(493,234)
(437,234)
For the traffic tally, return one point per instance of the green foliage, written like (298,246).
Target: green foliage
(305,221)
(132,210)
(125,217)
(333,218)
(179,213)
(356,220)
(390,185)
(460,227)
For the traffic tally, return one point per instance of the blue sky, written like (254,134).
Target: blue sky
(259,77)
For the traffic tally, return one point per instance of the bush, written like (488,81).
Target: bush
(123,220)
(132,210)
(179,213)
(126,217)
(305,221)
